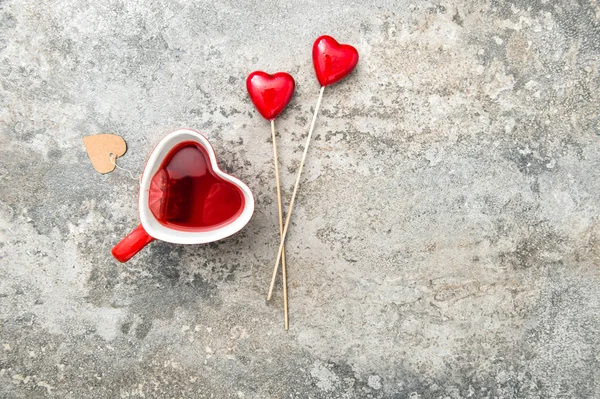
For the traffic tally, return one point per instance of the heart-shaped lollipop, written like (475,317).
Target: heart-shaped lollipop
(185,198)
(333,61)
(270,93)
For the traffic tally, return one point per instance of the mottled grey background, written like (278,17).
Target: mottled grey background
(445,242)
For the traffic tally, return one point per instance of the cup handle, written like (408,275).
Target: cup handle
(131,244)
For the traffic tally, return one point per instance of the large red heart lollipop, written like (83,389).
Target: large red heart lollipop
(333,61)
(270,93)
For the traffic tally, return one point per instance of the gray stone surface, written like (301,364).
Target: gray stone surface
(445,242)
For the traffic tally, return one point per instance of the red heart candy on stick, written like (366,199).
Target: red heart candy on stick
(333,61)
(270,93)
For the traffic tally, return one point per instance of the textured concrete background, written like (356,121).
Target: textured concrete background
(445,242)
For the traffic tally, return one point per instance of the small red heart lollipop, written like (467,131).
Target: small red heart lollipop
(333,61)
(270,93)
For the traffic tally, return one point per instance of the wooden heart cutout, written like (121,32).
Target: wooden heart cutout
(100,147)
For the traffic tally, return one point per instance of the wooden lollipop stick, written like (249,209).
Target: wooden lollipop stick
(283,268)
(291,206)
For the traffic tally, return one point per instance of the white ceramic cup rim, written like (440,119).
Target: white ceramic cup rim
(157,230)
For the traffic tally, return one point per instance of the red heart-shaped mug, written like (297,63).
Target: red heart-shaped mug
(185,198)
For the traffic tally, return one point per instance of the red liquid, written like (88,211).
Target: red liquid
(186,194)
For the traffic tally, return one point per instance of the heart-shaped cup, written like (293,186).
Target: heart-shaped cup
(185,198)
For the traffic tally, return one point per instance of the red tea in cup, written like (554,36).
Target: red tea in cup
(186,194)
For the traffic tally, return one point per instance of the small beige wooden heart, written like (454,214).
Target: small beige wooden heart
(100,147)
